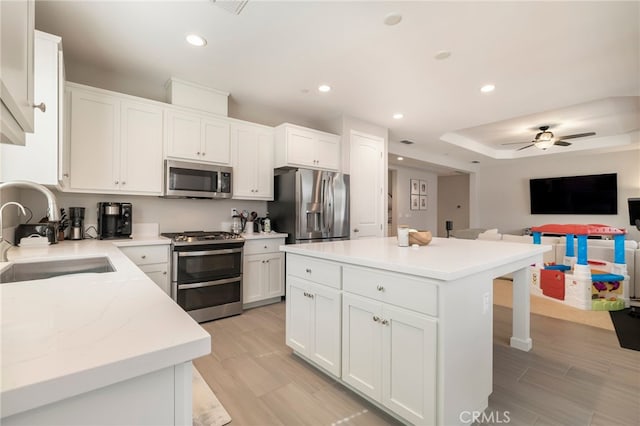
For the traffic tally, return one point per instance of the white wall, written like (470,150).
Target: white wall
(503,191)
(418,219)
(453,202)
(173,215)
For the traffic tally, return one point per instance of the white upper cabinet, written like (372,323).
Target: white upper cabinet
(16,70)
(115,143)
(302,147)
(197,137)
(252,159)
(37,160)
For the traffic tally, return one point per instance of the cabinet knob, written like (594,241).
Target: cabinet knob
(117,182)
(308,271)
(144,256)
(376,318)
(385,322)
(41,106)
(164,273)
(124,183)
(198,153)
(380,288)
(262,261)
(356,230)
(265,246)
(204,153)
(267,261)
(66,175)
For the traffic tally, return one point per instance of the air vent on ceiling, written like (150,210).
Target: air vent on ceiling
(406,142)
(232,6)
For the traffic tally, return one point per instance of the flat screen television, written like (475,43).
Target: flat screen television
(634,211)
(590,194)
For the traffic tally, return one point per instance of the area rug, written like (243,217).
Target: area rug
(207,410)
(627,329)
(503,293)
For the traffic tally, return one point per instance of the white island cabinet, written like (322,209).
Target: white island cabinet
(105,348)
(415,328)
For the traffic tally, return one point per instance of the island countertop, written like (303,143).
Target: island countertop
(443,259)
(68,335)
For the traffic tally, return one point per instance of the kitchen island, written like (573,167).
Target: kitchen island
(108,348)
(409,328)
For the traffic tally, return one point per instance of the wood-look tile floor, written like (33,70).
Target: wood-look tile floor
(575,375)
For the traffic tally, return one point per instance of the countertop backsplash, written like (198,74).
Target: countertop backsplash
(172,215)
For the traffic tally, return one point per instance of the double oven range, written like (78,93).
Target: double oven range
(206,273)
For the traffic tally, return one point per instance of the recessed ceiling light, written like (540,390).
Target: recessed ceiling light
(487,88)
(392,19)
(196,40)
(324,88)
(443,54)
(398,115)
(400,158)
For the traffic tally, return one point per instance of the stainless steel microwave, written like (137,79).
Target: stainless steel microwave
(183,179)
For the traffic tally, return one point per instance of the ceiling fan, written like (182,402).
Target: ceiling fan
(546,139)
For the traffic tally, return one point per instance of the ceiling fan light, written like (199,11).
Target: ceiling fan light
(544,143)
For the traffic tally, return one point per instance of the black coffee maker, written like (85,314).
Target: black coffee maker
(114,220)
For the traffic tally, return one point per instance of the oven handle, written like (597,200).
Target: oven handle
(208,252)
(208,283)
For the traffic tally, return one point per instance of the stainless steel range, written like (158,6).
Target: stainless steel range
(206,273)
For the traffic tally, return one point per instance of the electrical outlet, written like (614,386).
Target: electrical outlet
(234,212)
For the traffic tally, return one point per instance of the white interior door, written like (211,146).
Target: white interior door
(367,185)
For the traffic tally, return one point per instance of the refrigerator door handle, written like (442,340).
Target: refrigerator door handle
(331,204)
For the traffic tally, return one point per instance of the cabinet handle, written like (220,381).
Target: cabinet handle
(66,175)
(380,288)
(376,318)
(308,271)
(41,106)
(385,322)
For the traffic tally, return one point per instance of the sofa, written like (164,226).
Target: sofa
(596,249)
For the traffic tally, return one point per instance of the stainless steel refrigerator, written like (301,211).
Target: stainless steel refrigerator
(311,205)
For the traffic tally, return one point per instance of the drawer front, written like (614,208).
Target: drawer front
(316,270)
(396,289)
(268,245)
(145,255)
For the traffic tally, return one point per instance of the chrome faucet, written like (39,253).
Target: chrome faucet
(4,245)
(52,208)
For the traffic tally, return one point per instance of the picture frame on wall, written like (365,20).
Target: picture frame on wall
(415,202)
(423,187)
(423,203)
(415,187)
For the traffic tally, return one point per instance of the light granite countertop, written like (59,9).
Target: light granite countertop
(263,235)
(443,259)
(68,335)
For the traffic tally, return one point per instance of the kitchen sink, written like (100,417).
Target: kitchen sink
(41,270)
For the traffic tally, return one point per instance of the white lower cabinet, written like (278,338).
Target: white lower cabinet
(313,323)
(376,331)
(389,354)
(153,260)
(262,272)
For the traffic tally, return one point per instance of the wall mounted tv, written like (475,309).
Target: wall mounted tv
(590,194)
